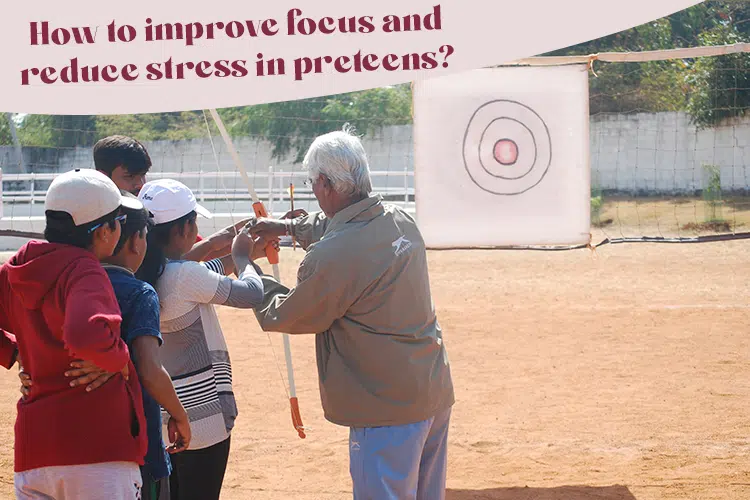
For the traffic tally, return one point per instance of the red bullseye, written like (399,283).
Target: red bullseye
(505,152)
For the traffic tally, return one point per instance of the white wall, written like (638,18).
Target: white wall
(642,153)
(390,150)
(650,153)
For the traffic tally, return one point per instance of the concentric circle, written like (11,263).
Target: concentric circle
(524,141)
(507,148)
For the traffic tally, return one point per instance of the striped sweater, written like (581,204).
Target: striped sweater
(194,352)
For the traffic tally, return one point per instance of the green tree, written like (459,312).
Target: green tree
(58,131)
(5,135)
(710,89)
(623,87)
(719,86)
(291,126)
(153,126)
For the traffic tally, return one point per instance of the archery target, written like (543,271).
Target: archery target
(502,157)
(507,147)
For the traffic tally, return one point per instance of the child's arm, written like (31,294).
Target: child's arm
(144,337)
(155,379)
(8,349)
(91,328)
(8,346)
(222,265)
(201,284)
(215,246)
(229,264)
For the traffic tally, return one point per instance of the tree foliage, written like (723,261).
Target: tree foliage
(5,136)
(644,87)
(291,126)
(720,86)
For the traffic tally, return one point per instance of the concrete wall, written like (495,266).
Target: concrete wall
(663,153)
(390,151)
(641,153)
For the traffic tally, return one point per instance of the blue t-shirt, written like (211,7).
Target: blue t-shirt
(140,317)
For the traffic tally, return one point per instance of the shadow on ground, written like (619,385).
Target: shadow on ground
(559,493)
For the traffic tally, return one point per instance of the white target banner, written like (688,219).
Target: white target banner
(502,157)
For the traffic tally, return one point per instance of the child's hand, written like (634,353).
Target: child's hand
(25,383)
(86,372)
(242,246)
(179,434)
(223,239)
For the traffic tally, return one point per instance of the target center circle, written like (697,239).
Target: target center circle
(505,152)
(501,129)
(486,154)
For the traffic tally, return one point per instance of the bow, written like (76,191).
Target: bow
(273,258)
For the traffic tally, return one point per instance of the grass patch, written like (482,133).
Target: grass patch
(716,226)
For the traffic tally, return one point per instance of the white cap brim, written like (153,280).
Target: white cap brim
(131,203)
(203,211)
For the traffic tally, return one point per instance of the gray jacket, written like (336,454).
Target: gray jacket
(363,286)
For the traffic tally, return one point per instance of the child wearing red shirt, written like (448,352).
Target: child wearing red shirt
(57,305)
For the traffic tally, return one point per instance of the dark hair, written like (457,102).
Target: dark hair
(155,261)
(137,221)
(121,151)
(60,228)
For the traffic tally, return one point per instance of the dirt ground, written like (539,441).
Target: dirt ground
(619,375)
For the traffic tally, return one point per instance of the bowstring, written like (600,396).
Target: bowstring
(231,216)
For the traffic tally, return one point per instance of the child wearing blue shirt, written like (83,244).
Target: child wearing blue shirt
(141,331)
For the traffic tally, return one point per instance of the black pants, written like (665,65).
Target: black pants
(150,489)
(198,474)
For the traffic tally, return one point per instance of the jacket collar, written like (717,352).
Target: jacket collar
(372,204)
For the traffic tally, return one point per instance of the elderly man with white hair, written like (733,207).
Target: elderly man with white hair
(363,288)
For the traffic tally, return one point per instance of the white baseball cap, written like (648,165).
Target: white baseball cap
(169,200)
(87,195)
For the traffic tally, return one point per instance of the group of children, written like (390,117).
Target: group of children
(111,320)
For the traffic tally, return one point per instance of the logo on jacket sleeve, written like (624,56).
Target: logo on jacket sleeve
(401,245)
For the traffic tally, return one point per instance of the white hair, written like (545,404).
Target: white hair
(341,158)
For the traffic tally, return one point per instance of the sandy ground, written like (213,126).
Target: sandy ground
(616,376)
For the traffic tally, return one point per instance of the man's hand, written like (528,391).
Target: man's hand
(268,229)
(86,372)
(179,434)
(293,214)
(273,229)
